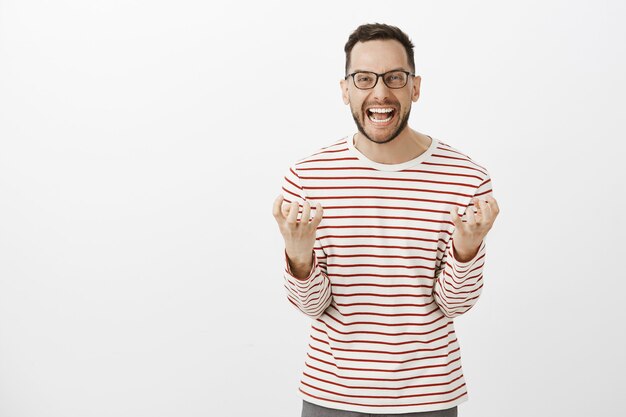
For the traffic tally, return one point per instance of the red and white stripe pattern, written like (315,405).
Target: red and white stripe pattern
(385,285)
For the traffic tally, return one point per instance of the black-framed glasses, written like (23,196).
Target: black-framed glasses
(364,80)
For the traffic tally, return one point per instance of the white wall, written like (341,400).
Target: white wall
(142,144)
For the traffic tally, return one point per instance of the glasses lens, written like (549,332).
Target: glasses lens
(364,79)
(396,79)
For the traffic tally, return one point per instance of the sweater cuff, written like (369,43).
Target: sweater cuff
(288,268)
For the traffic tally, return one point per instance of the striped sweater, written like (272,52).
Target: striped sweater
(385,285)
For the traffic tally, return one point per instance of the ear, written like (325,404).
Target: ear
(415,91)
(343,84)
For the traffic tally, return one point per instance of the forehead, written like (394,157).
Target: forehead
(378,56)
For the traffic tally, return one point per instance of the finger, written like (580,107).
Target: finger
(319,213)
(469,214)
(277,208)
(454,215)
(484,212)
(306,212)
(488,208)
(285,209)
(292,218)
(474,207)
(493,205)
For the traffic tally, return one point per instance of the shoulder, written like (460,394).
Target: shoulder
(325,154)
(463,167)
(446,151)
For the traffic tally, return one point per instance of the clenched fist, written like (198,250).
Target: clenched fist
(299,235)
(468,235)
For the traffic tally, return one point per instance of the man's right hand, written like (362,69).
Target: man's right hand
(299,235)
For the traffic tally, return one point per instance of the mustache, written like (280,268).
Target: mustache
(384,103)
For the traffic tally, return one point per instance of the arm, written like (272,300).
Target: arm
(307,284)
(459,285)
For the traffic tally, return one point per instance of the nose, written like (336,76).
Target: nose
(380,90)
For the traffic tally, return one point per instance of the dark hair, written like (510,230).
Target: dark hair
(374,31)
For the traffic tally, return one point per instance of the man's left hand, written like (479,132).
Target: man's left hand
(468,235)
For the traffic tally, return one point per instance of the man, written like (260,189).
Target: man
(386,261)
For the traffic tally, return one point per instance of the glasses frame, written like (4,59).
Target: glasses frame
(379,76)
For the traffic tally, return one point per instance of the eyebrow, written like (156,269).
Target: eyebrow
(394,69)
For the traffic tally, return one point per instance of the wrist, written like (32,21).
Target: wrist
(463,254)
(300,267)
(300,260)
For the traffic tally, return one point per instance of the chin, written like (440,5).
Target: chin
(379,138)
(382,136)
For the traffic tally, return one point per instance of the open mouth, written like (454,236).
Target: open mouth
(380,115)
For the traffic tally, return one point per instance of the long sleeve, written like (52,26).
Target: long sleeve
(459,285)
(313,294)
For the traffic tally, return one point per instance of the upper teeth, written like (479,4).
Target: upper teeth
(381,110)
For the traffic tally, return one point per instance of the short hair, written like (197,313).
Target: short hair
(374,31)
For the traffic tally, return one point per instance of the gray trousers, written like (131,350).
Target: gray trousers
(314,410)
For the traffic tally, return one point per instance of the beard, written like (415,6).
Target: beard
(404,120)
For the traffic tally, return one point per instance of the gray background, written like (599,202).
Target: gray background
(142,144)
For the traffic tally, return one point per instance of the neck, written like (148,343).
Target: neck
(408,145)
